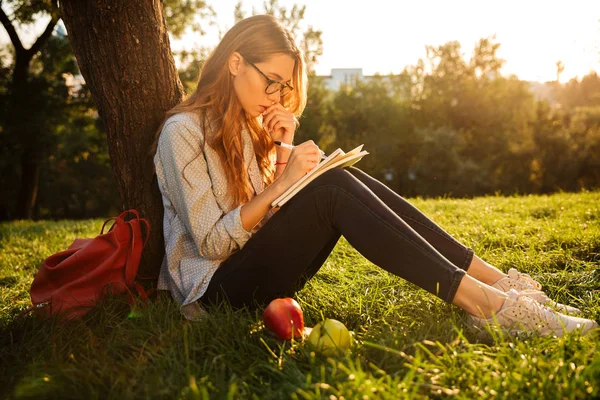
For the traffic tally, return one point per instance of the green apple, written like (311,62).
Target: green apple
(330,337)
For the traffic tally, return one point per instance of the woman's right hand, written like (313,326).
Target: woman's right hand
(303,158)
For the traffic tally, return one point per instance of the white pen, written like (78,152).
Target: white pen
(289,146)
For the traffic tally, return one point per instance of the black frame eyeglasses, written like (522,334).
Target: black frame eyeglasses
(274,86)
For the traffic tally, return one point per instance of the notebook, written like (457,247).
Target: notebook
(337,159)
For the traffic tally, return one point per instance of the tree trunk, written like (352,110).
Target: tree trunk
(30,175)
(123,52)
(17,127)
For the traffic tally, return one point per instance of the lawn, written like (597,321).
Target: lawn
(408,344)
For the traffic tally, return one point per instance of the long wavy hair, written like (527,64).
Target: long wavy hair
(222,117)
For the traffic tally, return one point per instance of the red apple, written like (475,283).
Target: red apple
(284,318)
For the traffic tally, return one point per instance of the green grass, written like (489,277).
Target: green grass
(408,343)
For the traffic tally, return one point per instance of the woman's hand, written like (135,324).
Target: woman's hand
(304,157)
(280,123)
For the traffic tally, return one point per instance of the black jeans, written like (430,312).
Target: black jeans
(295,242)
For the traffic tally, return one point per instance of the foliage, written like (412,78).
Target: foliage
(52,125)
(457,127)
(582,93)
(26,12)
(448,125)
(184,15)
(77,179)
(313,122)
(409,344)
(62,123)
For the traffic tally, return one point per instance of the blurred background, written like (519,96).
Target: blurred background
(455,99)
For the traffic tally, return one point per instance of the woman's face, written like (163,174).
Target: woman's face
(249,84)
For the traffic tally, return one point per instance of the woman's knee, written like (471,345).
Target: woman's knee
(359,174)
(337,177)
(328,186)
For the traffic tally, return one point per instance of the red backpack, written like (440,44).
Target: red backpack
(71,282)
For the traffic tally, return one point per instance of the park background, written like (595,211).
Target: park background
(495,102)
(457,100)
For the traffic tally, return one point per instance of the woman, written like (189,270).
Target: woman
(218,171)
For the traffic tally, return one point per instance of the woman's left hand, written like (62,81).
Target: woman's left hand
(280,123)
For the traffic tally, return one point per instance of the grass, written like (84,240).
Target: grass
(408,343)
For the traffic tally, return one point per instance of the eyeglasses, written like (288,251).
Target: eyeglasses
(274,86)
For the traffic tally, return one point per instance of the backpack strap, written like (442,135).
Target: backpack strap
(137,245)
(105,222)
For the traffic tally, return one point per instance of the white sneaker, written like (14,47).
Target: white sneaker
(531,288)
(521,314)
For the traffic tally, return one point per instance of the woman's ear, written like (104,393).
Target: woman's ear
(235,63)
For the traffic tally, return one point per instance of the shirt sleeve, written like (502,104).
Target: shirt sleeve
(216,234)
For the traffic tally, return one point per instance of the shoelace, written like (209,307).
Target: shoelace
(526,278)
(544,313)
(537,295)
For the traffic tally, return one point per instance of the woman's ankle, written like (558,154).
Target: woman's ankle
(484,272)
(478,299)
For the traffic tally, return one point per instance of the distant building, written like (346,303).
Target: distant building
(340,76)
(544,91)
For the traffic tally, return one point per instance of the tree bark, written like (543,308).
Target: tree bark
(123,52)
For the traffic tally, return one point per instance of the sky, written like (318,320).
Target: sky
(386,36)
(383,37)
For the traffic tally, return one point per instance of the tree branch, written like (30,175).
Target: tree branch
(12,33)
(40,41)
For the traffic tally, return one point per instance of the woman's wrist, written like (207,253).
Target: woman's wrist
(288,137)
(282,180)
(283,154)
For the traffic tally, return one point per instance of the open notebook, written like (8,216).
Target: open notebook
(336,159)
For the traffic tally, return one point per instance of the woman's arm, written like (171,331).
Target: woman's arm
(283,156)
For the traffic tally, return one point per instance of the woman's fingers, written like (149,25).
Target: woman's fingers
(306,163)
(278,114)
(280,121)
(269,114)
(308,152)
(303,159)
(307,147)
(267,119)
(276,126)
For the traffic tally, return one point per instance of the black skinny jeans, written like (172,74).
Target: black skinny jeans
(295,242)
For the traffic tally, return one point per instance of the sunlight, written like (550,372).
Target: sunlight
(385,37)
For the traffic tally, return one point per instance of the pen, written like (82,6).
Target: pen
(289,146)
